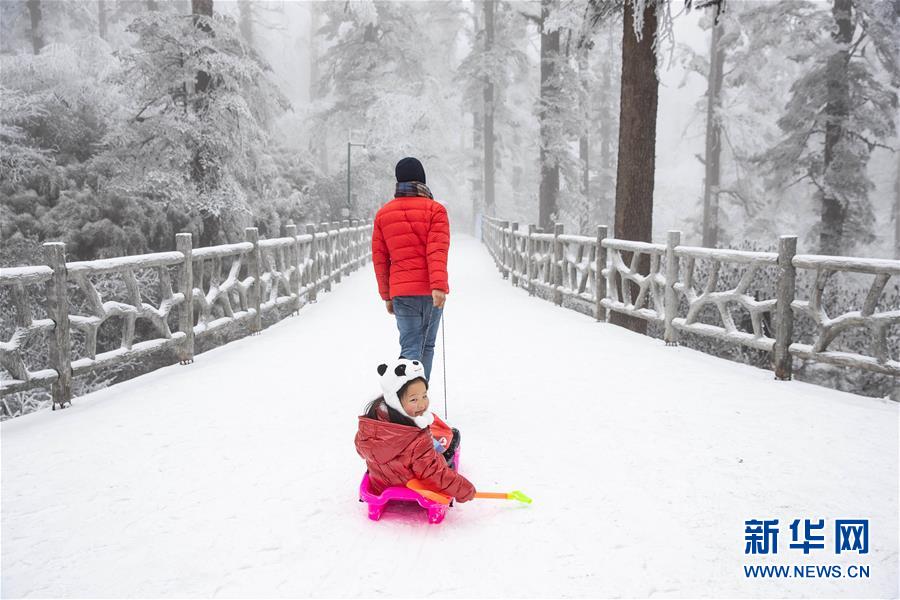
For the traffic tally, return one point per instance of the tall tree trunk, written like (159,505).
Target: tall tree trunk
(584,215)
(199,9)
(607,191)
(637,142)
(200,174)
(245,14)
(897,210)
(37,25)
(101,18)
(478,206)
(313,9)
(549,189)
(489,113)
(317,144)
(837,108)
(713,138)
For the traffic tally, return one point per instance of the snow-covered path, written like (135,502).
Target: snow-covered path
(237,476)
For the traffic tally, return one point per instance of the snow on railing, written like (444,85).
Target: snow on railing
(226,284)
(26,327)
(878,323)
(648,303)
(214,289)
(657,283)
(135,308)
(722,300)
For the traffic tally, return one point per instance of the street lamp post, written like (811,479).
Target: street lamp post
(350,144)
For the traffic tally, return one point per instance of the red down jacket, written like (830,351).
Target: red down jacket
(410,240)
(396,453)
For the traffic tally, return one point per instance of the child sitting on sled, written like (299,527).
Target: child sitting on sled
(401,439)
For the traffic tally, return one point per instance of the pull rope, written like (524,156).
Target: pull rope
(444,357)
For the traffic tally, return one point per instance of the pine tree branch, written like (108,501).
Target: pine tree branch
(528,17)
(749,209)
(871,145)
(853,47)
(739,157)
(138,118)
(812,179)
(699,4)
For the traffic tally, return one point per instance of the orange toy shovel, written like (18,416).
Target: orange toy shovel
(418,486)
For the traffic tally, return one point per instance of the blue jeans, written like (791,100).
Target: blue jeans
(418,321)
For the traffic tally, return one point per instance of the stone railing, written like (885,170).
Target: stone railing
(657,283)
(234,283)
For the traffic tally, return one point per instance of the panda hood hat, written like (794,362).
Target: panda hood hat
(394,377)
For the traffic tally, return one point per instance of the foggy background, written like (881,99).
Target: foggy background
(97,138)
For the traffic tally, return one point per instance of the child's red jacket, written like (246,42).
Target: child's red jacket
(396,453)
(410,240)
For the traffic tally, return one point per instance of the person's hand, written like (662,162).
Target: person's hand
(390,306)
(467,497)
(438,297)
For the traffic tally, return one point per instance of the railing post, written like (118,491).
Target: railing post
(314,265)
(670,300)
(599,278)
(513,253)
(294,249)
(370,225)
(58,311)
(355,243)
(345,247)
(529,265)
(366,237)
(784,314)
(556,269)
(184,244)
(336,266)
(495,244)
(497,237)
(611,273)
(251,234)
(360,243)
(504,268)
(326,254)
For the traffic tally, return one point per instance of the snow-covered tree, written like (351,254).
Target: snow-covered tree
(565,110)
(197,119)
(56,107)
(739,201)
(839,110)
(495,63)
(551,129)
(388,87)
(637,134)
(605,79)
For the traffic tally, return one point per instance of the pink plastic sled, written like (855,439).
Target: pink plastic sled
(376,503)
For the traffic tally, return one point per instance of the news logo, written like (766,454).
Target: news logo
(807,536)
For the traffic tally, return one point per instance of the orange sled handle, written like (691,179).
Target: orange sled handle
(418,486)
(497,495)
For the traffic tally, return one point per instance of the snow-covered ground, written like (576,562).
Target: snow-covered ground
(237,476)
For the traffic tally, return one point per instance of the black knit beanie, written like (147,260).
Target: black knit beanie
(410,169)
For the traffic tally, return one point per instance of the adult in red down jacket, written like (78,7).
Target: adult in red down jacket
(395,436)
(410,240)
